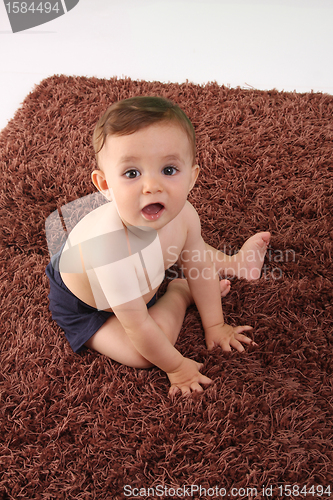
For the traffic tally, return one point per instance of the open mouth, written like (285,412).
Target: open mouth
(153,211)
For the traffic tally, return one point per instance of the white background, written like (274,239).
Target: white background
(282,44)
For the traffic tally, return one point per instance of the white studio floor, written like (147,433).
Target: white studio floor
(265,44)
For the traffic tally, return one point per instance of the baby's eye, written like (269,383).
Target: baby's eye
(132,174)
(170,170)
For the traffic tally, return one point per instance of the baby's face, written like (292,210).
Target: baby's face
(149,174)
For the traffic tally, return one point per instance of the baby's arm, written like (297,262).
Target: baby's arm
(146,336)
(203,281)
(151,342)
(119,285)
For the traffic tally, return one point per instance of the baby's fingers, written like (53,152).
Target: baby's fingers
(243,338)
(204,380)
(240,329)
(225,345)
(186,390)
(196,387)
(236,342)
(173,391)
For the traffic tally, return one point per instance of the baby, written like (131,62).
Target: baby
(103,282)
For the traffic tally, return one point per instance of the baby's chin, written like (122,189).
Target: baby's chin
(140,224)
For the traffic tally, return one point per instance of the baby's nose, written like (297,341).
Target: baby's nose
(152,185)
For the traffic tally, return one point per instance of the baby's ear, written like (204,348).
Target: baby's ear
(99,181)
(195,173)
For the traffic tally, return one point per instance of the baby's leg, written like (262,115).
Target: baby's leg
(168,312)
(247,263)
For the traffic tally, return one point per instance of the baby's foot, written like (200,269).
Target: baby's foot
(225,287)
(251,256)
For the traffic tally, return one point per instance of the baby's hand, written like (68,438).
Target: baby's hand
(187,378)
(227,336)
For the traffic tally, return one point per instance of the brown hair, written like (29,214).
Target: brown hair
(130,115)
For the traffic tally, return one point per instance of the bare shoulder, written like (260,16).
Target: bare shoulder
(193,225)
(191,218)
(101,220)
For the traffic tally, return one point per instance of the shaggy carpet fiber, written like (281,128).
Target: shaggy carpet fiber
(84,427)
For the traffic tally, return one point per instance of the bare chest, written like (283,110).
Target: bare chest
(171,240)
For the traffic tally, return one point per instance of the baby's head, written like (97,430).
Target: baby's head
(130,115)
(145,150)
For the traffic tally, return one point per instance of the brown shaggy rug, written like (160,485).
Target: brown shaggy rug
(84,427)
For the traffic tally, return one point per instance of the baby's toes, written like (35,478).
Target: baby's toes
(225,287)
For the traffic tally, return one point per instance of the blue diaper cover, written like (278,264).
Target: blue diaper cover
(78,320)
